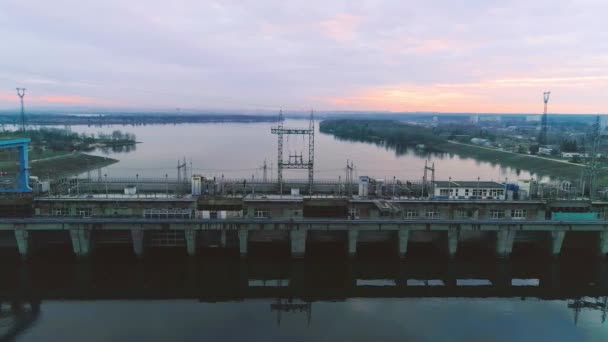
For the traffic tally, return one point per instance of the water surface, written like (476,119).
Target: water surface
(233,300)
(239,150)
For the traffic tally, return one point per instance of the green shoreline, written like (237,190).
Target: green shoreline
(537,165)
(68,164)
(401,136)
(63,165)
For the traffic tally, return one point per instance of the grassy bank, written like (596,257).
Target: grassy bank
(537,165)
(61,165)
(68,164)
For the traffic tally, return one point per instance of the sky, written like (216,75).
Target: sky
(481,56)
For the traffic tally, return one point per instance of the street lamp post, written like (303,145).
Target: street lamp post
(105,177)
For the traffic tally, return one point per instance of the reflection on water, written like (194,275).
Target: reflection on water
(239,150)
(211,299)
(117,149)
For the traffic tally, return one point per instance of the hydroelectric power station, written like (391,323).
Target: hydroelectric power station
(195,213)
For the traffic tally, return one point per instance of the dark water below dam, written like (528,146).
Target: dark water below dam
(165,297)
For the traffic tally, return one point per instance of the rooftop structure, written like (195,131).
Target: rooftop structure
(469,190)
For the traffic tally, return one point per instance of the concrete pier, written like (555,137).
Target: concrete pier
(22,237)
(504,241)
(353,236)
(557,240)
(223,238)
(243,241)
(190,236)
(298,243)
(603,242)
(81,241)
(453,233)
(137,235)
(403,236)
(82,234)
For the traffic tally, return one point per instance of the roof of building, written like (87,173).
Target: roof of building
(468,184)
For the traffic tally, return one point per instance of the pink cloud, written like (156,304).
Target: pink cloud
(31,99)
(342,27)
(505,95)
(65,99)
(412,46)
(6,96)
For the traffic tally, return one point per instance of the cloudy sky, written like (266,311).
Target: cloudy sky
(431,55)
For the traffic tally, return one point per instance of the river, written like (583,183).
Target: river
(261,300)
(239,150)
(216,298)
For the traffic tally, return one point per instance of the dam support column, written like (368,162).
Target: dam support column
(137,235)
(81,241)
(223,238)
(190,235)
(298,243)
(353,236)
(403,236)
(23,241)
(504,241)
(243,241)
(603,243)
(557,239)
(453,233)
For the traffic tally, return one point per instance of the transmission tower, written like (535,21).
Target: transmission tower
(593,167)
(21,94)
(265,171)
(425,178)
(182,173)
(295,161)
(311,151)
(350,166)
(544,124)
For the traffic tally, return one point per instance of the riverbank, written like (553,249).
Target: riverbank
(68,164)
(401,136)
(61,165)
(538,165)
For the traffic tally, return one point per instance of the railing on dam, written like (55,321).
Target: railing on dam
(387,222)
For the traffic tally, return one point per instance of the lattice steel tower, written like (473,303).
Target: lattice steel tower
(544,123)
(295,161)
(21,94)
